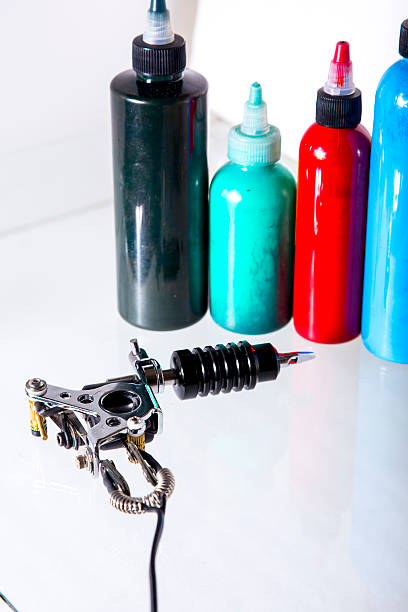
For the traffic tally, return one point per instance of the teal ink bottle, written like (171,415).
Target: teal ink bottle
(159,142)
(252,223)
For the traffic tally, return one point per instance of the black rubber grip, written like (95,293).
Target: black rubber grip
(223,368)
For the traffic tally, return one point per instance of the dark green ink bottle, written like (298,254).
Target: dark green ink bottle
(159,133)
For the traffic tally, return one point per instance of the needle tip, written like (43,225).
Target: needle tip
(287,359)
(305,356)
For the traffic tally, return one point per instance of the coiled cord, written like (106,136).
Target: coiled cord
(139,505)
(122,500)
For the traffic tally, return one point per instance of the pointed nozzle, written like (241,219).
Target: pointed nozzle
(158,6)
(287,359)
(342,53)
(255,94)
(158,30)
(340,79)
(255,120)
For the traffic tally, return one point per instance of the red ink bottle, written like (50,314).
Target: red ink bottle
(334,157)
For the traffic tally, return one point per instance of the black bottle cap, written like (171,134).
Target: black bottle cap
(159,60)
(403,41)
(338,111)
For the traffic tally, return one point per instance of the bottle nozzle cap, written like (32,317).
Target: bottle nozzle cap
(340,79)
(158,30)
(255,113)
(403,41)
(254,141)
(255,94)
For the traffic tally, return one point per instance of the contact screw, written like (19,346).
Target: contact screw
(136,426)
(36,386)
(85,461)
(81,462)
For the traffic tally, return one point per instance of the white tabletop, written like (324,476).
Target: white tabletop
(291,497)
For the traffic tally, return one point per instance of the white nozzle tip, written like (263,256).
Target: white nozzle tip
(158,30)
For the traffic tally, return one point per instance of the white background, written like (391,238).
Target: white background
(291,497)
(57,60)
(287,46)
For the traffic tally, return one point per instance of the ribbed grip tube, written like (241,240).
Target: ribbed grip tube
(223,368)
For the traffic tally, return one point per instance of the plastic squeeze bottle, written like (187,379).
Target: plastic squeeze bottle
(252,220)
(334,157)
(159,133)
(385,303)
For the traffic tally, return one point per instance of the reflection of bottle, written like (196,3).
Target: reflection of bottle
(379,539)
(385,305)
(161,181)
(252,216)
(331,211)
(322,437)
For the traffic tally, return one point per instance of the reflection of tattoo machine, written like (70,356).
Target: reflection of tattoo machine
(124,412)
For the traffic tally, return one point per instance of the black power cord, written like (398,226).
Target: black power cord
(113,481)
(155,545)
(155,465)
(6,601)
(152,568)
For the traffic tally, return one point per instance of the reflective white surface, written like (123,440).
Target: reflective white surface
(289,497)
